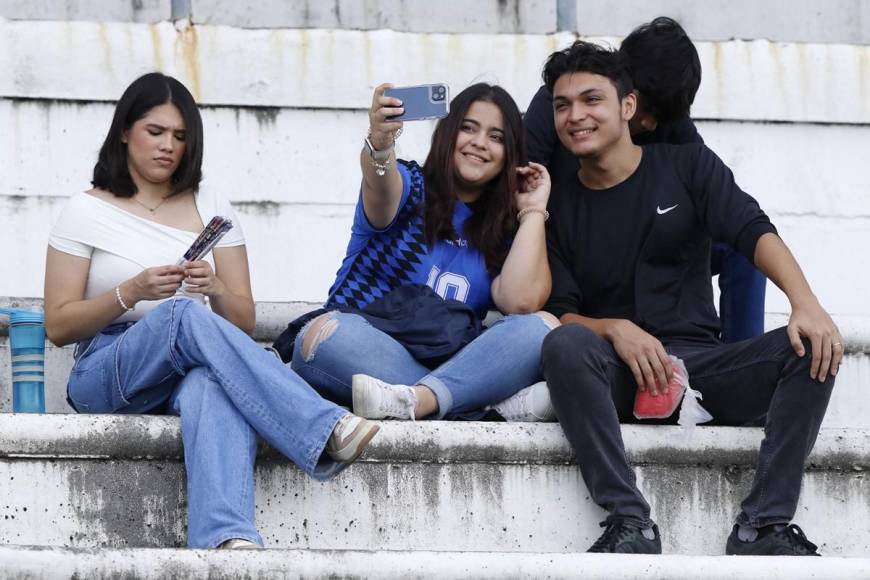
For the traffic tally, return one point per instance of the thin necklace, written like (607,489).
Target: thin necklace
(151,209)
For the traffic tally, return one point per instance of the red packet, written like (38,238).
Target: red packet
(648,407)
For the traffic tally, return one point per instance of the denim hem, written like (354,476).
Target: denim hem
(645,522)
(328,468)
(756,523)
(229,536)
(442,395)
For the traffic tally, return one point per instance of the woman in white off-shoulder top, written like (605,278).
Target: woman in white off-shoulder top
(156,337)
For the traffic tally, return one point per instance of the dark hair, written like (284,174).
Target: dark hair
(590,58)
(492,224)
(664,66)
(145,93)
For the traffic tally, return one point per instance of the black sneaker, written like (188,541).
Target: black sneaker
(627,538)
(787,541)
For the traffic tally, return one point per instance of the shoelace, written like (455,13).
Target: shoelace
(404,402)
(614,533)
(799,540)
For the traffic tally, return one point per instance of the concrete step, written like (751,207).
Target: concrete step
(849,406)
(118,481)
(37,563)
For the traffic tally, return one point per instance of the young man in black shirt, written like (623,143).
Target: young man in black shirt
(666,73)
(629,247)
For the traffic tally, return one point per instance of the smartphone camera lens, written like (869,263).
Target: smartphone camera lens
(438,93)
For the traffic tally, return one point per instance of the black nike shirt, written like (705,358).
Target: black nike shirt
(641,250)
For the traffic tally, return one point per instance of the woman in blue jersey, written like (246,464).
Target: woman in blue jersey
(469,224)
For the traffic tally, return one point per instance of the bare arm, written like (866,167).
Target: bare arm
(69,317)
(230,293)
(381,194)
(525,282)
(808,318)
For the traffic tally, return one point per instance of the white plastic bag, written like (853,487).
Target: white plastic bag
(691,411)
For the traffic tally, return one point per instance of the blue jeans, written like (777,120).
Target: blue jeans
(494,366)
(741,298)
(183,359)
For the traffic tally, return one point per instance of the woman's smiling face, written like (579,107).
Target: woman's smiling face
(478,157)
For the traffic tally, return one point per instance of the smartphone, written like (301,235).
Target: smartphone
(421,102)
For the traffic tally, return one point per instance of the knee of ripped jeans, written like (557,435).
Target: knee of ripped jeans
(315,332)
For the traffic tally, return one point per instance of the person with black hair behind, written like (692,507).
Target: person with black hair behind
(629,248)
(666,73)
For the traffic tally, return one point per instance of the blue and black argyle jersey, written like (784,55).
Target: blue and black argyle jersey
(378,261)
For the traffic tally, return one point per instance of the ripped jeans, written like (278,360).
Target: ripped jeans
(494,366)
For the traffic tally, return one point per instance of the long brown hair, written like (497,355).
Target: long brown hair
(493,221)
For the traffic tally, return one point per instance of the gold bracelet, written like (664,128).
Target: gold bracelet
(529,210)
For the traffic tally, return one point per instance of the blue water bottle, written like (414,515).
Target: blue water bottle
(27,345)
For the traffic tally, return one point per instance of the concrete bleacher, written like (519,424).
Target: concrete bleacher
(284,88)
(848,407)
(102,495)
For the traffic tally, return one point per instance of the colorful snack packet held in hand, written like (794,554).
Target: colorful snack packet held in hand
(648,407)
(207,239)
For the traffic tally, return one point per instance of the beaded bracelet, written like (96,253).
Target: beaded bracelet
(529,210)
(120,300)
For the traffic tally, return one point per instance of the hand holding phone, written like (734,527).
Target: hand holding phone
(421,102)
(382,131)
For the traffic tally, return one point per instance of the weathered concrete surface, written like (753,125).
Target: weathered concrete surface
(295,195)
(118,482)
(119,437)
(455,16)
(848,407)
(302,156)
(842,21)
(295,249)
(337,69)
(95,10)
(846,21)
(33,563)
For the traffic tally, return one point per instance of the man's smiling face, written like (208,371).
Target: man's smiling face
(589,115)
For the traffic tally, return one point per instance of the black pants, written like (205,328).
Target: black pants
(593,390)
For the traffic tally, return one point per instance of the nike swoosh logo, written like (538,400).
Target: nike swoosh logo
(661,211)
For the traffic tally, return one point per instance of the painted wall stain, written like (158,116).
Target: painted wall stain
(106,46)
(260,208)
(187,48)
(156,47)
(266,116)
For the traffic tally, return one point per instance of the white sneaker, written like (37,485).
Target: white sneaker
(530,405)
(375,399)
